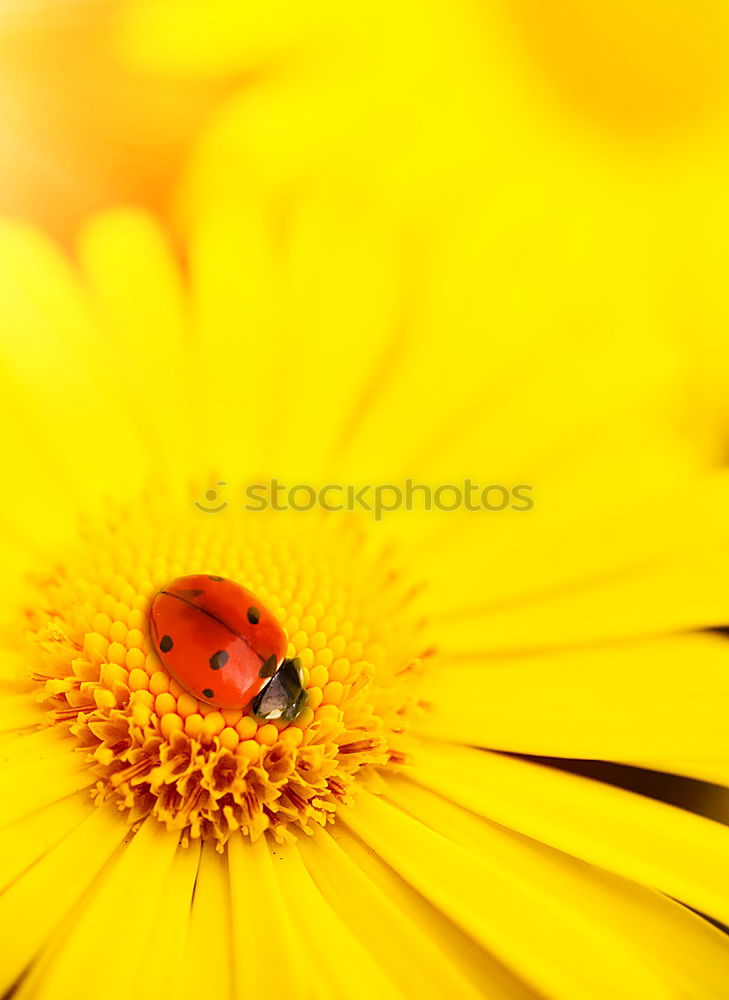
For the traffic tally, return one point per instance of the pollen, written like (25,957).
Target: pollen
(154,749)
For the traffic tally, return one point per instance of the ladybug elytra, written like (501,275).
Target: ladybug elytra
(223,646)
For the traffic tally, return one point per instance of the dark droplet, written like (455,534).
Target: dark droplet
(254,616)
(208,692)
(165,643)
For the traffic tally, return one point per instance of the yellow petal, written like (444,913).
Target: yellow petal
(38,769)
(33,906)
(488,975)
(208,955)
(235,298)
(631,702)
(227,38)
(27,839)
(20,711)
(251,865)
(341,313)
(335,954)
(570,934)
(14,670)
(106,937)
(377,922)
(279,377)
(159,969)
(135,292)
(580,568)
(501,408)
(651,842)
(57,383)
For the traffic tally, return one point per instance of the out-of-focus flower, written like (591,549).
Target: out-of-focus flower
(647,73)
(429,642)
(515,125)
(80,128)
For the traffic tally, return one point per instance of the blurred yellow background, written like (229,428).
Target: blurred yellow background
(577,150)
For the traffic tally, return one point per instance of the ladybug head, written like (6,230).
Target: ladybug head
(284,695)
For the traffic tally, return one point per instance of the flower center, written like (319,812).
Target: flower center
(153,748)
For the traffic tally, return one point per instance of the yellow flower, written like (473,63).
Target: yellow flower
(653,75)
(80,129)
(408,834)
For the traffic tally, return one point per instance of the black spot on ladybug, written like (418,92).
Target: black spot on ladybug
(218,660)
(254,616)
(218,579)
(165,643)
(189,595)
(208,692)
(268,668)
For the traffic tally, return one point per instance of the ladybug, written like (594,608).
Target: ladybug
(222,645)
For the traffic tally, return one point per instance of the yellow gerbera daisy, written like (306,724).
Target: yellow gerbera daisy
(393,838)
(80,129)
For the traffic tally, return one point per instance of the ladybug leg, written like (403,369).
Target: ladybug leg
(284,695)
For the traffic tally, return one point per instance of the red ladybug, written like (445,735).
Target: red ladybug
(224,647)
